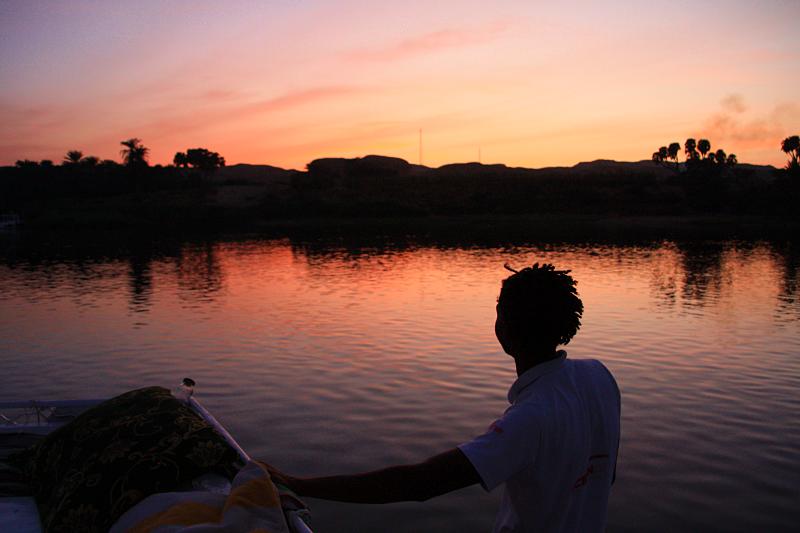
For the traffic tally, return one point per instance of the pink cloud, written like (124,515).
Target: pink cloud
(36,118)
(732,124)
(193,118)
(162,123)
(734,103)
(297,98)
(11,152)
(430,42)
(219,95)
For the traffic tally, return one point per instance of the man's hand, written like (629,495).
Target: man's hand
(278,477)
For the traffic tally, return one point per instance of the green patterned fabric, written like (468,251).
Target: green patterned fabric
(86,474)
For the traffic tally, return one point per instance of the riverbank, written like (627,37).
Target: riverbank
(456,231)
(373,192)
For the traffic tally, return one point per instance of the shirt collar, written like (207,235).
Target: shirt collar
(532,374)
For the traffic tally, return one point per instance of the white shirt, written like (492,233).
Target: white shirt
(555,448)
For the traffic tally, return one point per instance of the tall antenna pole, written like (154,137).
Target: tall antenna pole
(420,146)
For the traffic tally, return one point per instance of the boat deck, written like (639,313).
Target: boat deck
(17,507)
(12,482)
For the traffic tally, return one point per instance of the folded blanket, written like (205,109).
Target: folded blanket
(252,505)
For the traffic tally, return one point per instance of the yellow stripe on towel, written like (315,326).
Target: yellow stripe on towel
(259,492)
(184,514)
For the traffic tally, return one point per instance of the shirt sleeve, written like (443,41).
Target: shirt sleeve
(508,446)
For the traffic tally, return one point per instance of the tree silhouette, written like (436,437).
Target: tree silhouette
(701,161)
(690,147)
(703,146)
(180,159)
(199,158)
(135,153)
(660,155)
(672,151)
(73,157)
(90,161)
(791,147)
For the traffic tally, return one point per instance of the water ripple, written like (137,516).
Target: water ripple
(324,358)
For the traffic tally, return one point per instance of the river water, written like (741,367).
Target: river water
(334,355)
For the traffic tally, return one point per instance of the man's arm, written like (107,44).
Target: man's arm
(438,475)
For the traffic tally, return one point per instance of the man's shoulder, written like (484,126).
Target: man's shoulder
(592,370)
(591,366)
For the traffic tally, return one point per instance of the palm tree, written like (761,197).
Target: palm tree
(791,146)
(660,155)
(135,153)
(703,146)
(73,157)
(720,156)
(690,147)
(672,152)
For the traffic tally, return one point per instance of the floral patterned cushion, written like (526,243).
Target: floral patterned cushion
(86,474)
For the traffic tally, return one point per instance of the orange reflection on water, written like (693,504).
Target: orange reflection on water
(295,343)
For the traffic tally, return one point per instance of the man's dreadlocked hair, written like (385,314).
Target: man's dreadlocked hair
(540,305)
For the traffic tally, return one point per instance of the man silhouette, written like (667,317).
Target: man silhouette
(554,448)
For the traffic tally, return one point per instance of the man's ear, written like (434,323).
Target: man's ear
(506,338)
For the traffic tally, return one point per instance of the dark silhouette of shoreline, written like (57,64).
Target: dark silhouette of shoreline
(107,195)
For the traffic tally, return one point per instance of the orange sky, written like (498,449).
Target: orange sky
(283,82)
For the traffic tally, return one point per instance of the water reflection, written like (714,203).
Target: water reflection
(387,334)
(46,268)
(686,273)
(702,265)
(140,279)
(199,273)
(665,276)
(787,259)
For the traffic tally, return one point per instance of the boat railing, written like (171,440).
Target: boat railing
(40,417)
(295,518)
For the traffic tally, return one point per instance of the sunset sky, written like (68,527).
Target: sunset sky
(283,82)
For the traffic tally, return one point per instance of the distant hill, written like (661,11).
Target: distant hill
(399,167)
(377,185)
(384,186)
(261,174)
